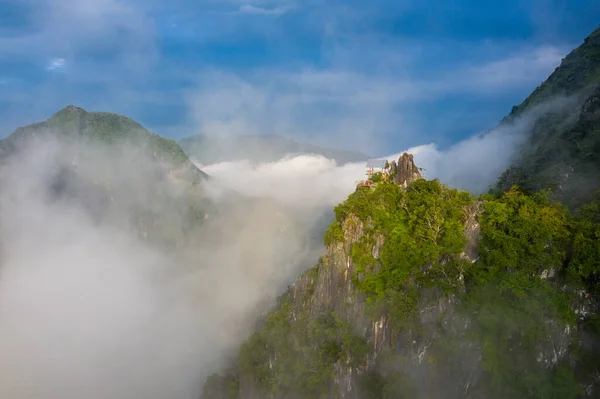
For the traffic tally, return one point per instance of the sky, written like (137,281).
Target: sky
(377,76)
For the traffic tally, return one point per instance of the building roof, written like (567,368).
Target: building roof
(376,163)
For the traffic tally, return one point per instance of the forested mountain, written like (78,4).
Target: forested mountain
(208,149)
(149,271)
(429,292)
(562,151)
(74,123)
(114,167)
(424,291)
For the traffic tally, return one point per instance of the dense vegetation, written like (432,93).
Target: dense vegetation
(293,354)
(513,296)
(420,227)
(114,167)
(577,74)
(562,151)
(519,321)
(101,127)
(302,352)
(511,292)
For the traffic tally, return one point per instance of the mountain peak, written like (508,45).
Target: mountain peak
(105,127)
(70,110)
(405,171)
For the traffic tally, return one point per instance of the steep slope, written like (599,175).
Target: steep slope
(427,292)
(75,123)
(125,177)
(110,237)
(563,149)
(116,169)
(257,148)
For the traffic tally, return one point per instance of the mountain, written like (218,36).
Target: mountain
(207,149)
(116,169)
(74,122)
(123,176)
(562,151)
(429,292)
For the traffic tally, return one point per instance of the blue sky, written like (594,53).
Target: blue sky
(375,75)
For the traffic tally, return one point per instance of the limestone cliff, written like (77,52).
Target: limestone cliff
(415,298)
(405,171)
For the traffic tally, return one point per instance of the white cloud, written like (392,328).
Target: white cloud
(310,181)
(522,68)
(77,29)
(327,107)
(314,182)
(357,98)
(89,309)
(56,64)
(275,11)
(342,107)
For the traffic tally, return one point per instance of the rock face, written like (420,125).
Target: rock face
(390,352)
(431,352)
(329,288)
(405,171)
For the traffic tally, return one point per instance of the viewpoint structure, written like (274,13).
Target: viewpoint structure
(401,173)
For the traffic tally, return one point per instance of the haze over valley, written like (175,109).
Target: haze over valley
(187,211)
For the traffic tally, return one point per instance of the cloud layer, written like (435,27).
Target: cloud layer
(367,77)
(90,309)
(313,181)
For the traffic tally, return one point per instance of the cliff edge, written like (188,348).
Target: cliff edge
(428,292)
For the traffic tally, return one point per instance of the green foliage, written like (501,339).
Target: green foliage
(562,151)
(376,177)
(522,235)
(221,387)
(516,298)
(523,238)
(298,354)
(403,241)
(585,254)
(422,231)
(371,385)
(312,274)
(510,302)
(394,386)
(577,71)
(333,234)
(254,359)
(102,127)
(164,201)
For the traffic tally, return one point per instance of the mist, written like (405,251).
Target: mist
(303,180)
(476,163)
(312,181)
(93,305)
(89,308)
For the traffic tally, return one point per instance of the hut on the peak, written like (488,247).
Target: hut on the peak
(375,166)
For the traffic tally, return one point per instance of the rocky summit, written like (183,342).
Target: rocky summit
(405,171)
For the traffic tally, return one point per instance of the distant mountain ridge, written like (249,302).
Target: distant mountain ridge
(117,171)
(208,149)
(121,174)
(74,122)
